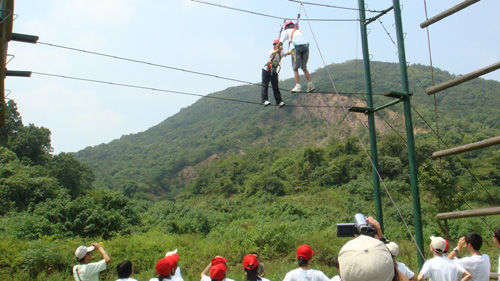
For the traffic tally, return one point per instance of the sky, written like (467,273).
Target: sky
(209,39)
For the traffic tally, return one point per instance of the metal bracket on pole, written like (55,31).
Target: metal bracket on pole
(24,38)
(370,20)
(397,95)
(17,73)
(364,110)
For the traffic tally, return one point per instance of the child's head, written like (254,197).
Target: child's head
(124,269)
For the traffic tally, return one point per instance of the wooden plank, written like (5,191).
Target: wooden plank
(469,213)
(467,147)
(448,12)
(462,79)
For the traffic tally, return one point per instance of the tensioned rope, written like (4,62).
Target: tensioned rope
(433,83)
(364,148)
(178,68)
(167,91)
(336,7)
(264,15)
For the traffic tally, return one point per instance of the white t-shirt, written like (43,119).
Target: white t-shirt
(478,266)
(336,278)
(405,270)
(442,269)
(298,37)
(306,275)
(178,273)
(88,272)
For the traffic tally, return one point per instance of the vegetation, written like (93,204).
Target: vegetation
(219,180)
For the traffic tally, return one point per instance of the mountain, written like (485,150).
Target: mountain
(160,159)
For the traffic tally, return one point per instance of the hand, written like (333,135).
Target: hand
(97,245)
(375,224)
(461,243)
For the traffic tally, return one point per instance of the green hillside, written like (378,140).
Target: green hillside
(213,128)
(229,178)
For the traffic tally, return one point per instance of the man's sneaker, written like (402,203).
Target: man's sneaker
(266,103)
(281,104)
(296,89)
(310,87)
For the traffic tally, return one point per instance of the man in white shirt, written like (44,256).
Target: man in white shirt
(440,268)
(300,54)
(477,264)
(86,271)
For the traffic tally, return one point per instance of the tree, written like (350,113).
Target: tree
(72,174)
(31,142)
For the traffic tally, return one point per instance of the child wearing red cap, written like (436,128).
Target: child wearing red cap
(251,267)
(304,272)
(164,270)
(216,270)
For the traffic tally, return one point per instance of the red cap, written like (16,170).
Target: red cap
(250,262)
(174,258)
(218,271)
(163,267)
(304,252)
(218,260)
(276,41)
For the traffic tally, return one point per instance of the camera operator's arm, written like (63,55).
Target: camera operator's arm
(375,224)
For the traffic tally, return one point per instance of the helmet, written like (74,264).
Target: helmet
(276,41)
(288,22)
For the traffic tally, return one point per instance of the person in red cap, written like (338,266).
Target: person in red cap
(163,269)
(177,269)
(173,259)
(251,267)
(270,74)
(304,272)
(216,270)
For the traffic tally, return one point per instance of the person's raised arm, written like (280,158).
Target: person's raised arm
(103,253)
(206,271)
(461,244)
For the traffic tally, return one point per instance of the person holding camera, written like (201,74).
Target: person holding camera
(305,272)
(366,257)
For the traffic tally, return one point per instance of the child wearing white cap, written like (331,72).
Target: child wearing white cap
(394,249)
(86,271)
(440,268)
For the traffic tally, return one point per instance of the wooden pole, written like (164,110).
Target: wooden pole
(467,147)
(462,79)
(448,12)
(469,213)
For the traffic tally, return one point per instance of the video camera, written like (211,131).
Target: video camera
(360,226)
